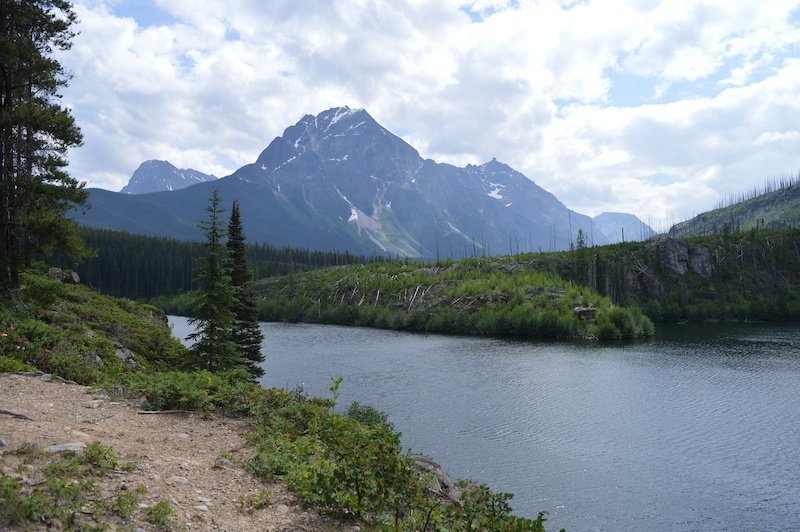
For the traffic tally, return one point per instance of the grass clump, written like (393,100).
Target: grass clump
(63,490)
(160,515)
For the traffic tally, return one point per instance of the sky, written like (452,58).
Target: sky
(655,108)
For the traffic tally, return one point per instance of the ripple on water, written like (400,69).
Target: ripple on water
(696,429)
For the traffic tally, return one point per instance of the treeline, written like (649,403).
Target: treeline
(768,187)
(144,267)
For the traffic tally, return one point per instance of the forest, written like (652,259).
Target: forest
(143,267)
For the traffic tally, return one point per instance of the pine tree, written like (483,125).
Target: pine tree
(35,134)
(214,348)
(246,331)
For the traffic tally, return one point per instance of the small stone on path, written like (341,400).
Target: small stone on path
(282,508)
(202,508)
(177,480)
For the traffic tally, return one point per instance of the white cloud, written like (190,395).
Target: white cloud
(528,82)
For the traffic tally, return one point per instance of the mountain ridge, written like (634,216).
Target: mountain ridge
(340,180)
(156,176)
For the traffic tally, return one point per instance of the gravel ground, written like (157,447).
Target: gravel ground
(186,459)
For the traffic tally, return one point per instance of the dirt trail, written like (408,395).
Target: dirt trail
(181,458)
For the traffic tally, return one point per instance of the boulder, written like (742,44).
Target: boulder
(71,278)
(74,447)
(441,484)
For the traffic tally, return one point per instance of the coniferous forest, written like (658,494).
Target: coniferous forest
(143,267)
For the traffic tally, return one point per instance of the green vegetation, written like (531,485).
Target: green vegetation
(62,492)
(733,275)
(775,205)
(214,346)
(246,330)
(144,267)
(351,465)
(509,296)
(72,331)
(35,134)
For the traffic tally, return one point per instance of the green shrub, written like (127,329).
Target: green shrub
(370,416)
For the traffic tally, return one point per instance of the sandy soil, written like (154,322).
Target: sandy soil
(181,458)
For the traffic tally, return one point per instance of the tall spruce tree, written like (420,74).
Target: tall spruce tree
(214,348)
(246,331)
(35,134)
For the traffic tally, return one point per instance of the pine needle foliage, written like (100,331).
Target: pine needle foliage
(35,134)
(246,331)
(214,348)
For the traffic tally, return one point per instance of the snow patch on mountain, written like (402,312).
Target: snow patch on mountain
(496,189)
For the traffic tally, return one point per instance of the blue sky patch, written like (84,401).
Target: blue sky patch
(145,12)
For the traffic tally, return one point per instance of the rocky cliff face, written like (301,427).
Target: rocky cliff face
(682,258)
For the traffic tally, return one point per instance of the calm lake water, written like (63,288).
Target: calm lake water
(698,429)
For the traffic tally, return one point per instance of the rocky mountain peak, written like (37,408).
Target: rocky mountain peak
(156,176)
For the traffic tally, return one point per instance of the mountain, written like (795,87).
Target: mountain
(156,176)
(777,208)
(621,226)
(340,181)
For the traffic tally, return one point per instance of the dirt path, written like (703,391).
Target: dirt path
(183,458)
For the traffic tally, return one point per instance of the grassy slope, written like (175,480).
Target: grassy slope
(773,210)
(74,332)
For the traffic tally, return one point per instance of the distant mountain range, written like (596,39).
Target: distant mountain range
(339,180)
(776,208)
(157,176)
(623,227)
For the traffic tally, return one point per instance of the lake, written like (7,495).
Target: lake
(697,429)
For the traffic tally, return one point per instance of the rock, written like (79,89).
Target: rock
(682,258)
(441,484)
(177,480)
(94,403)
(585,313)
(79,434)
(700,260)
(125,355)
(143,506)
(91,359)
(3,443)
(202,508)
(182,436)
(71,278)
(282,509)
(75,447)
(202,499)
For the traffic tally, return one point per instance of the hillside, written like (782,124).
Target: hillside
(497,296)
(746,275)
(340,181)
(775,209)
